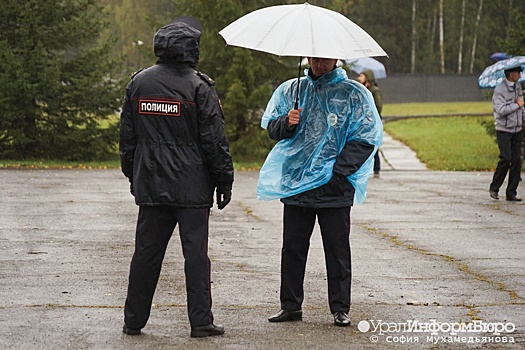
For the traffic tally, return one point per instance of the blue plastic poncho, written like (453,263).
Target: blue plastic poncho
(335,110)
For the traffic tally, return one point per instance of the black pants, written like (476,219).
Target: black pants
(509,161)
(377,163)
(335,231)
(155,226)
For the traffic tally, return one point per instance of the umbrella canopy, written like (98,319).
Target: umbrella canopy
(498,56)
(494,74)
(359,65)
(301,30)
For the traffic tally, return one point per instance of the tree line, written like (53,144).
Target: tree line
(65,63)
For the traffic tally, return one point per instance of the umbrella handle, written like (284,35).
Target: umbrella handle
(296,105)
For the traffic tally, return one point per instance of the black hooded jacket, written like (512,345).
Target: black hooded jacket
(173,147)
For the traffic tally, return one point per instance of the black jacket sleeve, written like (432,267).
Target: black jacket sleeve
(352,157)
(128,139)
(212,135)
(278,129)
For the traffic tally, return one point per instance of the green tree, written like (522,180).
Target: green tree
(513,41)
(390,23)
(134,22)
(59,88)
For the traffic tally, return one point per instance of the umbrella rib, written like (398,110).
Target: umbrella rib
(355,42)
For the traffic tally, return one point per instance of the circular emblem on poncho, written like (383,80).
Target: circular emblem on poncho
(332,119)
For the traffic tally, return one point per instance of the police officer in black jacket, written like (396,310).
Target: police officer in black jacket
(174,151)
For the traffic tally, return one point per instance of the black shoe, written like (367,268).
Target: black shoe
(286,315)
(206,331)
(494,194)
(513,199)
(341,319)
(130,331)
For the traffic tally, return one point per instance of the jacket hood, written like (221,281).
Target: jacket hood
(177,42)
(370,76)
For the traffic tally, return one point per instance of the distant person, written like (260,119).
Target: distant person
(509,116)
(320,163)
(174,151)
(368,79)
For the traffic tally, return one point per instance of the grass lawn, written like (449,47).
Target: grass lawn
(448,143)
(436,108)
(52,164)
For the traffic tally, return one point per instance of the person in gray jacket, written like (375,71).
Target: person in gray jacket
(509,116)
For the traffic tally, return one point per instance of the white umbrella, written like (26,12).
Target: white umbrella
(359,65)
(301,30)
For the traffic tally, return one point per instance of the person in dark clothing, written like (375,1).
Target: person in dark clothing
(174,151)
(368,79)
(321,162)
(509,117)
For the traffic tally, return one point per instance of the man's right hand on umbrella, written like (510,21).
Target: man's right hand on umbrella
(293,116)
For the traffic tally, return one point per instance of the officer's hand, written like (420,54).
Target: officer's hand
(223,198)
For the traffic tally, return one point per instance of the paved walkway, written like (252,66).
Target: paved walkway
(396,156)
(431,250)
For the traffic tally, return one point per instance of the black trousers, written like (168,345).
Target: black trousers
(377,162)
(155,226)
(509,145)
(335,231)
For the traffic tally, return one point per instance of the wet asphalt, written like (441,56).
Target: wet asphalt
(436,264)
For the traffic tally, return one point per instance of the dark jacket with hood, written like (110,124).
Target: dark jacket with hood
(374,89)
(173,147)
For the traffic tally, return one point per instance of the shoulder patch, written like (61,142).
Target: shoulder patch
(137,72)
(206,78)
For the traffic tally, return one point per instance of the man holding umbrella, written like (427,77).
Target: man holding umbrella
(509,117)
(320,164)
(327,129)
